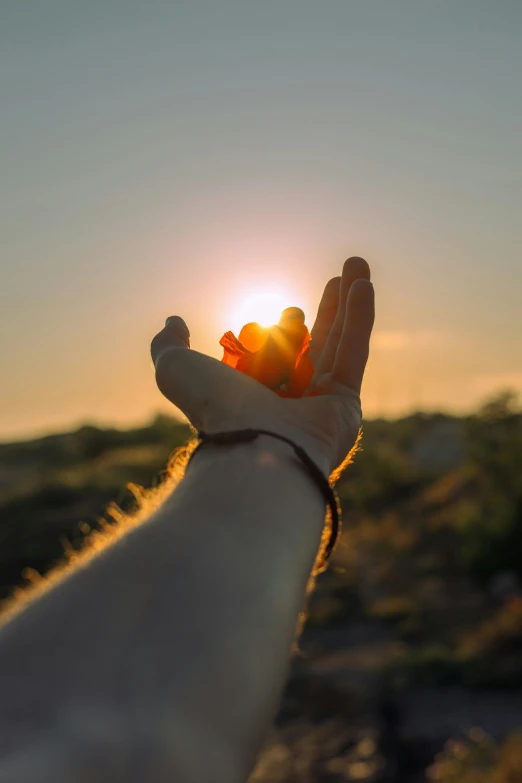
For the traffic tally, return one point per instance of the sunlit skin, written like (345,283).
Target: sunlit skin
(177,636)
(342,329)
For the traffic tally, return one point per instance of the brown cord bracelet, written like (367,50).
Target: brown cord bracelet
(249,435)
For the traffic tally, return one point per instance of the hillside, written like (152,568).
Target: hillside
(414,634)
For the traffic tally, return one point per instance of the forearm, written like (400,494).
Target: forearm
(180,632)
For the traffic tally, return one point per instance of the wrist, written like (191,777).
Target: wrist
(262,451)
(282,440)
(270,458)
(260,482)
(268,446)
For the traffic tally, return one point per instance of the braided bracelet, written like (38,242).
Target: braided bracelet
(249,435)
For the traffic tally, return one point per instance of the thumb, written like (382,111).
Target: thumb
(175,334)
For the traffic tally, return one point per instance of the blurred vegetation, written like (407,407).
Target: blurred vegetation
(478,759)
(431,554)
(54,490)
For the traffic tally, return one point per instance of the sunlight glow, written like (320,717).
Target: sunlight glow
(264,306)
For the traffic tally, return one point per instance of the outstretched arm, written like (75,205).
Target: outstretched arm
(163,658)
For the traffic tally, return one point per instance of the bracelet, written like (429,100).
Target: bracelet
(330,496)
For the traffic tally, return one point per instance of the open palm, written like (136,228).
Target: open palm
(217,398)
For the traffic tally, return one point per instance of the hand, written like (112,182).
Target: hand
(216,398)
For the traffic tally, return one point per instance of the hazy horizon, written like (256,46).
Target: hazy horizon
(168,158)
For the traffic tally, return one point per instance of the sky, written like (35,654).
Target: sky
(172,157)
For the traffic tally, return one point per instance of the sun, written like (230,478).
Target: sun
(264,306)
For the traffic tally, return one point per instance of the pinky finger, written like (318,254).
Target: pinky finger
(354,346)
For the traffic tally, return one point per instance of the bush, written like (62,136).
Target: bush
(478,759)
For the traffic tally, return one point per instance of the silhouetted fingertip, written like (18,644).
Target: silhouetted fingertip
(357,267)
(360,304)
(174,319)
(176,324)
(333,285)
(175,333)
(361,288)
(330,298)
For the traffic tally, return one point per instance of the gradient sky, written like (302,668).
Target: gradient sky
(170,157)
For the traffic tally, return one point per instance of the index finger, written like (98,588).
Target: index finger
(325,317)
(354,269)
